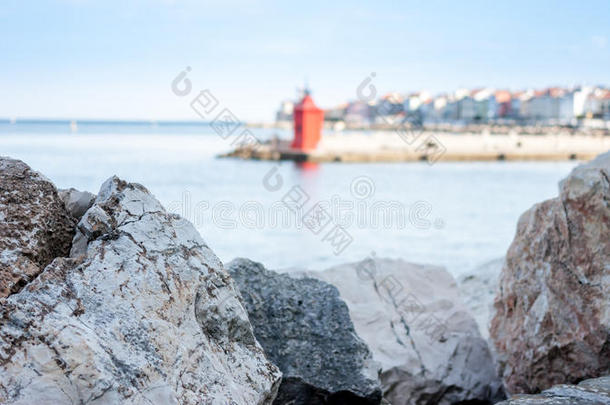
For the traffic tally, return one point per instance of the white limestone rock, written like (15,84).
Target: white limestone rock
(412,319)
(144,314)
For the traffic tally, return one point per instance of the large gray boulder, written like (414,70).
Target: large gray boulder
(35,227)
(143,313)
(589,392)
(412,319)
(552,319)
(478,289)
(305,329)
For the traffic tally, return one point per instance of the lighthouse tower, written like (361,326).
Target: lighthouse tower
(308,120)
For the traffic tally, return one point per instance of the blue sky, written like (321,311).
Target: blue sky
(116,58)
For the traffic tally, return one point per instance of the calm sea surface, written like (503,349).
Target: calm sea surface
(458,215)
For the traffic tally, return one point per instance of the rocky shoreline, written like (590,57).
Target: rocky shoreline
(110,299)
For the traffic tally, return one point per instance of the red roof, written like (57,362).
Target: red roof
(503,96)
(605,95)
(556,92)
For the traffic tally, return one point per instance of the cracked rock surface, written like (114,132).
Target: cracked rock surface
(411,317)
(35,227)
(141,313)
(305,329)
(552,311)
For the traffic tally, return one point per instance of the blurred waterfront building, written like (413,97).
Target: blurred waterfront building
(336,114)
(359,113)
(597,104)
(284,114)
(503,105)
(549,106)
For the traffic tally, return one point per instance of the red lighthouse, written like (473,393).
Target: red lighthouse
(308,121)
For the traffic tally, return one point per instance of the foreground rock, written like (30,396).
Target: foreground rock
(306,331)
(589,392)
(145,314)
(411,317)
(34,225)
(76,202)
(478,290)
(552,320)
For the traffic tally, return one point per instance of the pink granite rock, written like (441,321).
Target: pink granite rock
(552,312)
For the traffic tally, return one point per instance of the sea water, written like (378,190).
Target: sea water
(285,215)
